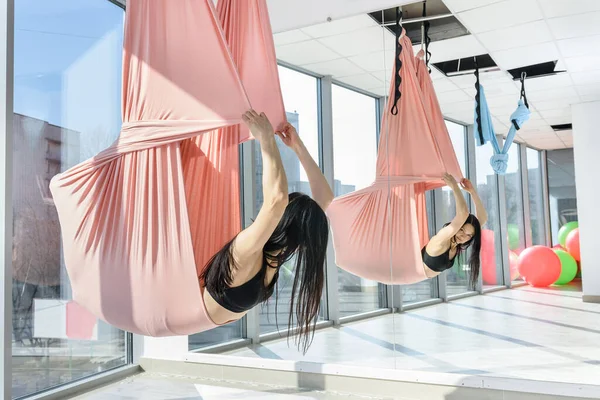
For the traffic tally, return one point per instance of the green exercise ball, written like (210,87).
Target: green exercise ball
(564,231)
(568,267)
(513,237)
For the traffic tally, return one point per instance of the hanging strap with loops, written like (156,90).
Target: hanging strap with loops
(397,93)
(478,103)
(427,39)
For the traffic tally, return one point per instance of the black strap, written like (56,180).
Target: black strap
(397,93)
(523,94)
(478,103)
(427,39)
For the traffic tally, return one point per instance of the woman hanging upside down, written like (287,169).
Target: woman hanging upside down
(244,272)
(457,236)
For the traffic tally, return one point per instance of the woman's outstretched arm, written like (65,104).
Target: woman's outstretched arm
(321,191)
(480,211)
(462,213)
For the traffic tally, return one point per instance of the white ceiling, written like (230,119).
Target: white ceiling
(358,52)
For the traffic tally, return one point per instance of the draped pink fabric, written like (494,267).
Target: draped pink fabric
(141,218)
(378,231)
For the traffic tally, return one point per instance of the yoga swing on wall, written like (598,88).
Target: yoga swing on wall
(141,219)
(484,127)
(389,218)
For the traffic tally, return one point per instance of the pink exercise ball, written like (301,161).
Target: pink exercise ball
(488,257)
(558,246)
(572,243)
(539,266)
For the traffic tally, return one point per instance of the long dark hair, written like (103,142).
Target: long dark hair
(475,244)
(302,231)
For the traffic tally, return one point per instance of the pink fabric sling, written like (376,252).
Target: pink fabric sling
(380,238)
(140,219)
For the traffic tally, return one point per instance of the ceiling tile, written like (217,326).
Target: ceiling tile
(465,81)
(457,6)
(579,46)
(501,15)
(289,37)
(558,113)
(340,26)
(584,78)
(459,106)
(559,120)
(335,68)
(526,55)
(516,36)
(575,25)
(444,85)
(436,74)
(554,104)
(588,90)
(590,97)
(308,52)
(560,8)
(371,62)
(583,63)
(545,82)
(459,47)
(453,97)
(362,81)
(367,40)
(552,94)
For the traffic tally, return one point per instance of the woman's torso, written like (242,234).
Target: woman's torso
(440,256)
(244,280)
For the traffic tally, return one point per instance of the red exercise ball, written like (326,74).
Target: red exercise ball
(539,266)
(572,243)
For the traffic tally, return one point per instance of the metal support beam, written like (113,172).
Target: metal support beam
(248,192)
(502,258)
(472,174)
(6,177)
(546,196)
(525,190)
(325,107)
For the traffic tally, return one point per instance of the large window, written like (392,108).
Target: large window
(355,155)
(487,187)
(536,199)
(67,78)
(514,209)
(300,101)
(457,278)
(561,186)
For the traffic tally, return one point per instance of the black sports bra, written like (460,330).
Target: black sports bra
(438,263)
(242,298)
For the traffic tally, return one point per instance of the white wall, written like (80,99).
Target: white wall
(586,146)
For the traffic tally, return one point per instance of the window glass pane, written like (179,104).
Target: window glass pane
(67,104)
(514,209)
(487,187)
(355,138)
(300,100)
(536,200)
(457,278)
(563,196)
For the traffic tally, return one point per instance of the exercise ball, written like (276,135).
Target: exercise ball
(539,266)
(513,236)
(564,231)
(568,267)
(488,257)
(558,246)
(513,259)
(573,244)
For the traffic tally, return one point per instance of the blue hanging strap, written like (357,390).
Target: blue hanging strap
(484,129)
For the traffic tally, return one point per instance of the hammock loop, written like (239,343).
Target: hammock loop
(478,102)
(397,93)
(523,94)
(427,39)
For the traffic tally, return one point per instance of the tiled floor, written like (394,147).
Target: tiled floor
(160,387)
(540,334)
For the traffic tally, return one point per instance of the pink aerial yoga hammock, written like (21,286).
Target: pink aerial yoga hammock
(414,152)
(140,220)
